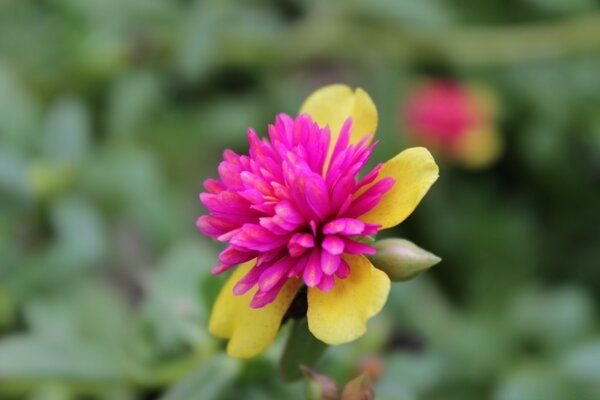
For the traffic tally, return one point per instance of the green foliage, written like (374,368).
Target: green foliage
(301,349)
(112,112)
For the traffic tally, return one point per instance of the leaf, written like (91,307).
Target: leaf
(207,382)
(301,349)
(171,307)
(67,132)
(400,259)
(80,229)
(31,359)
(133,102)
(535,381)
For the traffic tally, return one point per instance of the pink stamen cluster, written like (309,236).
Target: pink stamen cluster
(291,208)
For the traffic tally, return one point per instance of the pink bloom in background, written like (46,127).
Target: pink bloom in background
(455,120)
(442,111)
(291,208)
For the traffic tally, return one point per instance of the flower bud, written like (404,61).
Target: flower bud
(372,365)
(359,388)
(401,259)
(319,386)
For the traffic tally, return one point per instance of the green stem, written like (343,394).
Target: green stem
(461,46)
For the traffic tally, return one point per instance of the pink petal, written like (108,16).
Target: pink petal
(249,280)
(343,270)
(354,247)
(329,262)
(345,226)
(272,275)
(333,245)
(326,283)
(313,273)
(214,186)
(234,255)
(317,195)
(262,298)
(220,269)
(299,243)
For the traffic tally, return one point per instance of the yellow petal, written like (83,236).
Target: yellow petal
(333,104)
(341,315)
(249,330)
(414,171)
(479,148)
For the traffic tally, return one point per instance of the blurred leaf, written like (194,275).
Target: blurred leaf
(231,117)
(7,309)
(66,137)
(421,14)
(530,382)
(564,6)
(51,392)
(133,100)
(301,349)
(48,181)
(18,111)
(581,363)
(123,175)
(32,359)
(555,318)
(172,306)
(413,373)
(80,228)
(88,310)
(99,53)
(198,45)
(207,382)
(13,174)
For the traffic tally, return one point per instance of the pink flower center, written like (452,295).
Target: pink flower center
(291,208)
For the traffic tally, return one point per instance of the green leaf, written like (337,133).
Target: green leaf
(301,349)
(67,132)
(30,359)
(171,307)
(133,101)
(582,363)
(400,259)
(535,381)
(51,391)
(207,382)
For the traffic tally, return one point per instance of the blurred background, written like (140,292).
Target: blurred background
(113,112)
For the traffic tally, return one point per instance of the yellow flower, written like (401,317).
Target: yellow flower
(338,313)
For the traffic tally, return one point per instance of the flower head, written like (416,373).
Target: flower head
(456,120)
(293,211)
(290,208)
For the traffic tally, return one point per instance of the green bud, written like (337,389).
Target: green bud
(359,388)
(400,259)
(319,386)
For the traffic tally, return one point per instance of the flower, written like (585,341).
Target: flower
(293,211)
(455,120)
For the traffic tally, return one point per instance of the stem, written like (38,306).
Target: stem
(461,46)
